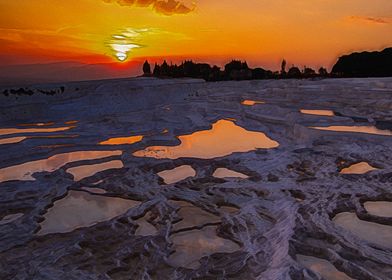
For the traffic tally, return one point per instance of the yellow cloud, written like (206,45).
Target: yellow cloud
(165,7)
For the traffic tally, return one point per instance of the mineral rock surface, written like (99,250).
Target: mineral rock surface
(277,222)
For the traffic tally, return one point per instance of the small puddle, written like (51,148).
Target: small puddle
(12,140)
(81,209)
(379,208)
(251,102)
(24,171)
(122,140)
(7,131)
(57,136)
(358,168)
(227,173)
(55,146)
(357,129)
(37,124)
(191,246)
(371,232)
(94,190)
(47,123)
(322,267)
(223,139)
(98,182)
(84,171)
(193,216)
(177,174)
(144,227)
(328,113)
(10,218)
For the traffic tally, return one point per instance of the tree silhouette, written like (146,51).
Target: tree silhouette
(294,73)
(259,73)
(365,64)
(237,70)
(309,72)
(157,70)
(323,72)
(164,69)
(283,68)
(234,70)
(146,69)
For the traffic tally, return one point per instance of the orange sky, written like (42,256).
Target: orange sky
(304,32)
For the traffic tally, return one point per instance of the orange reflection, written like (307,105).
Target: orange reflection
(223,139)
(71,122)
(37,124)
(122,140)
(328,113)
(177,174)
(358,129)
(358,168)
(24,171)
(6,131)
(251,102)
(12,140)
(227,173)
(84,171)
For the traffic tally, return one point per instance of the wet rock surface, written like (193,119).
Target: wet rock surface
(250,228)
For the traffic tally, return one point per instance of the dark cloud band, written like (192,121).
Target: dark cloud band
(166,7)
(375,20)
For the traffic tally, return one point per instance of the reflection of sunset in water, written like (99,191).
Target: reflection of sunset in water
(328,113)
(322,267)
(6,131)
(12,140)
(379,208)
(227,173)
(177,174)
(192,245)
(358,168)
(371,232)
(25,170)
(251,102)
(84,171)
(81,209)
(37,124)
(223,139)
(122,140)
(358,129)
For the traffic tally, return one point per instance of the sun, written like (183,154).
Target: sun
(122,45)
(121,49)
(121,56)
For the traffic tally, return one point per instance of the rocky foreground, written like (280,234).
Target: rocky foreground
(182,179)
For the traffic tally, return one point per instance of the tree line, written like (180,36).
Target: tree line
(354,65)
(234,70)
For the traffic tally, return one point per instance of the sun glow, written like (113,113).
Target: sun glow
(121,56)
(122,50)
(122,44)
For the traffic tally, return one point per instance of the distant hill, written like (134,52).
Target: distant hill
(65,71)
(365,64)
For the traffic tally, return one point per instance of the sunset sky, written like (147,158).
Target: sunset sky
(304,32)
